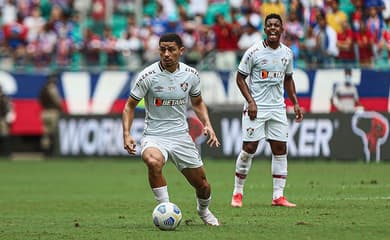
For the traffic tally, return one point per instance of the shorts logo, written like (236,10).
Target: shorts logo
(250,132)
(184,86)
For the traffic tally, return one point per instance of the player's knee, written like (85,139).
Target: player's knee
(278,148)
(153,163)
(250,147)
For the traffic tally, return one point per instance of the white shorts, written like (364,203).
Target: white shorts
(180,149)
(270,124)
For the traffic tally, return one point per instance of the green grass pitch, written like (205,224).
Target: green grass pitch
(111,199)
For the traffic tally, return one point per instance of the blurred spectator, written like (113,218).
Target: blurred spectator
(198,7)
(130,47)
(191,38)
(109,48)
(249,16)
(273,6)
(91,48)
(345,45)
(150,42)
(41,50)
(345,96)
(357,15)
(64,50)
(379,5)
(15,35)
(385,43)
(173,24)
(335,17)
(293,27)
(226,39)
(51,104)
(250,36)
(364,41)
(9,12)
(327,40)
(34,23)
(375,26)
(297,7)
(310,49)
(291,42)
(98,16)
(216,7)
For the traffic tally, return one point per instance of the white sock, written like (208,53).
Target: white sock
(243,164)
(161,194)
(279,174)
(202,205)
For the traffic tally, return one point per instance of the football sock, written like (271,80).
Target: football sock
(202,205)
(161,194)
(243,164)
(279,174)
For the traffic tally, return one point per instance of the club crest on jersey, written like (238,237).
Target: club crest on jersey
(184,86)
(284,61)
(250,132)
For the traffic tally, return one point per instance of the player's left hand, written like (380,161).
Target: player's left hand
(213,140)
(298,113)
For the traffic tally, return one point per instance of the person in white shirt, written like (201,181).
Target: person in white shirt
(345,96)
(167,86)
(264,72)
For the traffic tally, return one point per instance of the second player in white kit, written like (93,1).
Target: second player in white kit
(264,73)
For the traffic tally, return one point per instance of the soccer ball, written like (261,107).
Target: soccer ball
(167,216)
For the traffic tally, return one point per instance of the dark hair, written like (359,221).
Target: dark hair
(171,37)
(273,15)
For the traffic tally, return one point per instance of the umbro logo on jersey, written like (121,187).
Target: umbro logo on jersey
(158,88)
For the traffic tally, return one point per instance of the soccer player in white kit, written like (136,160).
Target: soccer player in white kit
(167,86)
(264,72)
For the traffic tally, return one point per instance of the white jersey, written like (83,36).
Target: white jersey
(166,97)
(345,97)
(266,68)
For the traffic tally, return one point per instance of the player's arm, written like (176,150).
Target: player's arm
(201,111)
(289,85)
(128,114)
(243,86)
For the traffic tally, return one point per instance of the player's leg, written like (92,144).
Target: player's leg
(155,160)
(252,132)
(243,165)
(277,130)
(186,157)
(197,178)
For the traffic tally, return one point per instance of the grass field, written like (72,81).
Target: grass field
(111,199)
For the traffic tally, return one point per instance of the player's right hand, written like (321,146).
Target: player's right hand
(130,144)
(252,111)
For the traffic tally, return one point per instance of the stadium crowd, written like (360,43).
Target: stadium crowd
(114,34)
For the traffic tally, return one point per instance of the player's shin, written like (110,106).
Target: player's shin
(243,165)
(279,174)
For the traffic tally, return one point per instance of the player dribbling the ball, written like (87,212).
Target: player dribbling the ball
(167,86)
